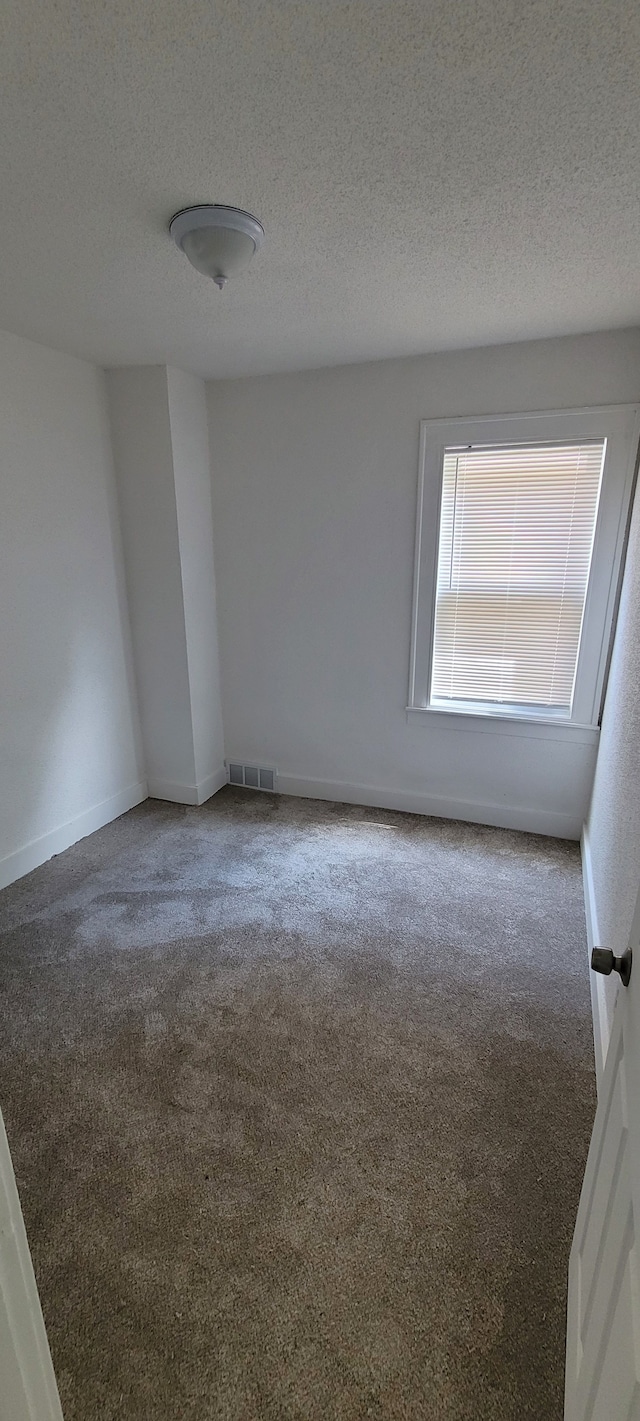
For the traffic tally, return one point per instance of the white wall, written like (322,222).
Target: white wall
(613,826)
(69,748)
(158,419)
(139,406)
(190,442)
(314,481)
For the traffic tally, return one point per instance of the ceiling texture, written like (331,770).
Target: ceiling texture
(431,174)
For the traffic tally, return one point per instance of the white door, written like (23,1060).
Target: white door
(28,1390)
(603,1322)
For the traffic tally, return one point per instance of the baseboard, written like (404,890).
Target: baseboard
(599,1006)
(502,816)
(209,786)
(188,794)
(31,855)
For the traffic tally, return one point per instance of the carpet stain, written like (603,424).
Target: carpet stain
(299,1097)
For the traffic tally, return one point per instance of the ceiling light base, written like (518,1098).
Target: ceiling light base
(219,241)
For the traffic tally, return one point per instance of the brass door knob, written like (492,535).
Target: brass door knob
(603,960)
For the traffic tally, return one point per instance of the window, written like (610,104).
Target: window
(516,534)
(514,597)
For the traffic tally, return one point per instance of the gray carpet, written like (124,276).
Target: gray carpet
(299,1097)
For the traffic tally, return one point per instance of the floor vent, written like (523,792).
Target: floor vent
(252,776)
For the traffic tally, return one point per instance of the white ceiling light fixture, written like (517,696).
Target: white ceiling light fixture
(219,241)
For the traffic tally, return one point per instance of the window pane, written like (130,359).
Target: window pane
(516,537)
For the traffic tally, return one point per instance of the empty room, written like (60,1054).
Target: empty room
(320,711)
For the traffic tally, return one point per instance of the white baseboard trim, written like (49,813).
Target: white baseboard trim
(502,816)
(188,794)
(31,855)
(597,983)
(206,788)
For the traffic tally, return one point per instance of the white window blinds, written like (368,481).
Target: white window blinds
(516,536)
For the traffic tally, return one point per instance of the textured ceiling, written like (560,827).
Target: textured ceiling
(430,174)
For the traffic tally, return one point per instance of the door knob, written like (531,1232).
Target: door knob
(603,960)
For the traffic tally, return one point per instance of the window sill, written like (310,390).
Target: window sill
(530,727)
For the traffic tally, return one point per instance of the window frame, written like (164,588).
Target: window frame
(620,426)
